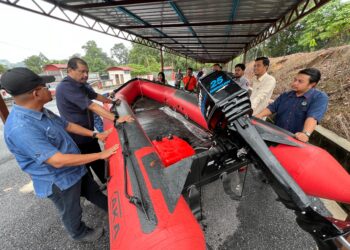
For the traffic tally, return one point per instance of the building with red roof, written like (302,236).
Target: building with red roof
(119,74)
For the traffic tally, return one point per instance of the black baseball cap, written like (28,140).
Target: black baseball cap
(20,80)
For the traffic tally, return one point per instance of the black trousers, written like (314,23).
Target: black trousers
(97,166)
(67,203)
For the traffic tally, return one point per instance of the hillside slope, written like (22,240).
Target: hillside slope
(334,64)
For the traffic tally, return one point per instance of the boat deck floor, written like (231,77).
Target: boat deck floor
(158,120)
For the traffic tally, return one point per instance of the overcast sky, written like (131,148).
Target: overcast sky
(23,33)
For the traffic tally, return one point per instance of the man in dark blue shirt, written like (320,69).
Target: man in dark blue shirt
(39,140)
(74,102)
(300,110)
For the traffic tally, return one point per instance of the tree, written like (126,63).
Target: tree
(55,61)
(120,53)
(138,70)
(3,68)
(36,63)
(329,26)
(285,42)
(97,60)
(146,56)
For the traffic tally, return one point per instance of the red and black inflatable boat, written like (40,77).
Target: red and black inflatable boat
(180,141)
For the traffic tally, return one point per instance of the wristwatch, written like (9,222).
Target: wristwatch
(94,134)
(307,133)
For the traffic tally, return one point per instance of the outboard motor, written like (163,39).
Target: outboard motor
(222,100)
(227,110)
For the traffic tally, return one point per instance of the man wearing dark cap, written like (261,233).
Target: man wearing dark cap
(74,102)
(42,147)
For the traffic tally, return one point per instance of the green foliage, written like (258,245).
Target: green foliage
(146,56)
(149,58)
(97,60)
(178,62)
(138,70)
(329,26)
(54,61)
(120,53)
(3,68)
(285,42)
(326,27)
(36,63)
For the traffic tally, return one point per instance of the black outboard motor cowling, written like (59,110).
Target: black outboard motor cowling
(221,97)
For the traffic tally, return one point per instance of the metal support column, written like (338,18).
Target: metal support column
(4,112)
(245,54)
(232,65)
(161,60)
(186,63)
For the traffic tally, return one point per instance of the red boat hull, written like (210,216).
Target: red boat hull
(317,173)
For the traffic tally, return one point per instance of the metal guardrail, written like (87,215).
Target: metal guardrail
(337,146)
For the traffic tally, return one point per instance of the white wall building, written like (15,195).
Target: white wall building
(119,74)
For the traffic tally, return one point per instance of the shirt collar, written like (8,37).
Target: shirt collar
(70,79)
(28,112)
(261,77)
(307,95)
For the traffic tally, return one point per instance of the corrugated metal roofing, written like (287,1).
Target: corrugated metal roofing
(205,30)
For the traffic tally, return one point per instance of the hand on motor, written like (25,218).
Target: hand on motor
(102,136)
(105,154)
(111,94)
(302,137)
(125,118)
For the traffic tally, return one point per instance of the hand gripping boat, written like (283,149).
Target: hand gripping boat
(180,142)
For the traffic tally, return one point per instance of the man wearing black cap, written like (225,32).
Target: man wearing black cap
(74,102)
(39,140)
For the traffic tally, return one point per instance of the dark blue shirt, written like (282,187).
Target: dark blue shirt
(292,111)
(33,137)
(73,99)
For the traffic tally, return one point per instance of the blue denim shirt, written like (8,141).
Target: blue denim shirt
(292,111)
(33,137)
(73,99)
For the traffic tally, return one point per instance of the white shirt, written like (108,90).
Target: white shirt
(262,91)
(242,82)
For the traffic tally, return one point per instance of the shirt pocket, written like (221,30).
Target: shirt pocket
(54,136)
(301,112)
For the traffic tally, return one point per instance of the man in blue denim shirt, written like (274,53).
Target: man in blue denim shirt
(42,147)
(300,110)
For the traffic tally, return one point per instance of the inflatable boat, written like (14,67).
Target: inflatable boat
(181,141)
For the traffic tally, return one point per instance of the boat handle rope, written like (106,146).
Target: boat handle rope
(126,153)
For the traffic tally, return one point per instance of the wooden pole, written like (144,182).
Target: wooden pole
(4,112)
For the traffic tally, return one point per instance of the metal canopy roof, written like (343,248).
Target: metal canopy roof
(205,30)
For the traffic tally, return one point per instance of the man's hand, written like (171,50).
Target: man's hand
(302,137)
(264,113)
(102,136)
(125,118)
(105,154)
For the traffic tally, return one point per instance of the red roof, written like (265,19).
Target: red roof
(54,67)
(168,68)
(125,68)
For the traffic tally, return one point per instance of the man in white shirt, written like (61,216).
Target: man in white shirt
(239,76)
(263,85)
